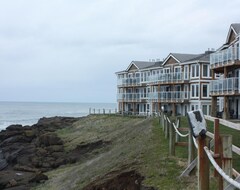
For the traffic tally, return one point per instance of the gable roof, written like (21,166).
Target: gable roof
(235,27)
(180,57)
(141,64)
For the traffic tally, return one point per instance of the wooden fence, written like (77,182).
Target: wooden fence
(220,158)
(102,111)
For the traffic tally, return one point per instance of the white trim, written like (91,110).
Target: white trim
(132,63)
(229,32)
(170,55)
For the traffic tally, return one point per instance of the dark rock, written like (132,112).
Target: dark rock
(55,148)
(12,183)
(14,128)
(25,168)
(38,177)
(49,139)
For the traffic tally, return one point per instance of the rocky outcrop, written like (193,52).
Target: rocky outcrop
(28,151)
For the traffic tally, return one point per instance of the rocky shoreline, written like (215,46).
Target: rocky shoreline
(28,151)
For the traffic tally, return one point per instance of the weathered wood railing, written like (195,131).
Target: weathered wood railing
(221,157)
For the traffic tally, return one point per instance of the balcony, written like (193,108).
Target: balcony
(225,57)
(131,97)
(228,86)
(166,78)
(135,81)
(173,96)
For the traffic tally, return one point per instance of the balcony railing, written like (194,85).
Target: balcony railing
(173,96)
(224,57)
(166,78)
(129,81)
(131,96)
(226,86)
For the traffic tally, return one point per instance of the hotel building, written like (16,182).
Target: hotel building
(225,68)
(177,85)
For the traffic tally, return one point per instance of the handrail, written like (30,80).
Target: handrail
(177,131)
(220,171)
(195,142)
(224,122)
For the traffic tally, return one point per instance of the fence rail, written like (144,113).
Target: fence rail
(221,158)
(102,111)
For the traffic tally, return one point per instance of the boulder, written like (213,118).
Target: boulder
(49,139)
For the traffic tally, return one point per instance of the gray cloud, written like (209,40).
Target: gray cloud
(63,50)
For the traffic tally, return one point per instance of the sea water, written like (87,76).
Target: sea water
(28,113)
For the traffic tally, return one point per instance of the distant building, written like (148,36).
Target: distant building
(225,66)
(177,85)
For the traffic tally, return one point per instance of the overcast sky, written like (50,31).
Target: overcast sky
(69,50)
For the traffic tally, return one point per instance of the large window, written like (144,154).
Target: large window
(194,90)
(195,71)
(205,91)
(205,70)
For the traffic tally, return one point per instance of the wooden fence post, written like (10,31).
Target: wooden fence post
(171,140)
(162,119)
(217,155)
(203,165)
(167,128)
(164,123)
(90,111)
(98,111)
(226,150)
(178,120)
(191,147)
(94,111)
(103,111)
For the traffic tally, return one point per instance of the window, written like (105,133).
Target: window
(205,90)
(195,71)
(177,69)
(185,91)
(194,90)
(186,72)
(204,109)
(205,71)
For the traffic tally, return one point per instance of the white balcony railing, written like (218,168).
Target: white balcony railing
(224,57)
(173,96)
(166,78)
(162,78)
(131,96)
(134,81)
(224,86)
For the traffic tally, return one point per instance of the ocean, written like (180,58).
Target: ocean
(28,113)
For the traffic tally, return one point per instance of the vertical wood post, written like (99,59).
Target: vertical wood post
(94,111)
(171,140)
(203,165)
(162,119)
(89,111)
(167,129)
(164,123)
(217,155)
(99,111)
(115,110)
(191,147)
(226,155)
(103,111)
(178,120)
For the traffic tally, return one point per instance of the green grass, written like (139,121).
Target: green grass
(136,143)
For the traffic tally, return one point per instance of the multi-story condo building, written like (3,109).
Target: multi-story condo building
(178,84)
(225,68)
